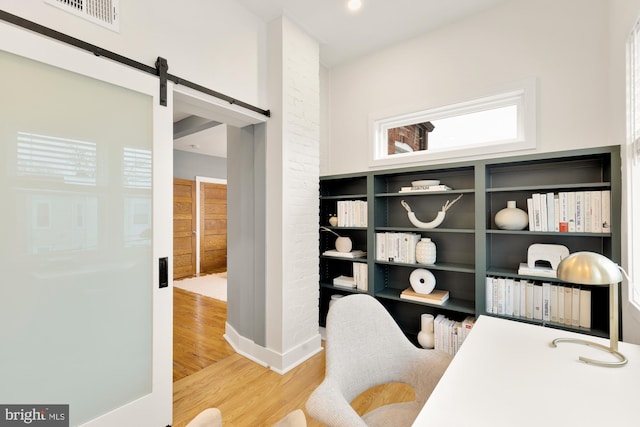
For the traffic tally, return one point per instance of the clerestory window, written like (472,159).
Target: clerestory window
(496,123)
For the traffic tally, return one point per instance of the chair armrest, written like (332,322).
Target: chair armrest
(423,371)
(327,405)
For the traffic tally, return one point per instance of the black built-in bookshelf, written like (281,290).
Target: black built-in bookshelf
(469,245)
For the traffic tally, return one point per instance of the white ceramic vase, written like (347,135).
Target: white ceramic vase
(426,251)
(343,244)
(333,220)
(511,217)
(426,335)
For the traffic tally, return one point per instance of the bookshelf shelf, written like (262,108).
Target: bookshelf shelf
(548,233)
(433,230)
(462,268)
(455,305)
(341,288)
(363,260)
(541,188)
(556,325)
(344,197)
(470,247)
(426,193)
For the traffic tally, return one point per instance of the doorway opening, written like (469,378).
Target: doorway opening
(200,226)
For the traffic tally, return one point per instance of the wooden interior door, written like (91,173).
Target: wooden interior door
(184,228)
(213,228)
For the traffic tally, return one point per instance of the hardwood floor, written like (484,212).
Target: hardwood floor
(198,326)
(208,373)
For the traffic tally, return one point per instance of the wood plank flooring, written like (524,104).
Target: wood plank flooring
(198,327)
(208,373)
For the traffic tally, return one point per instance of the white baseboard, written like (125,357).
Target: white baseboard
(277,362)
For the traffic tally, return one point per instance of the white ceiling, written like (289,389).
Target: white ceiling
(212,142)
(345,35)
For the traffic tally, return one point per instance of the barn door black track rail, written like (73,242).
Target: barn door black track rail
(160,69)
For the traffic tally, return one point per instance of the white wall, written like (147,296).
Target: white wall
(215,43)
(564,44)
(188,165)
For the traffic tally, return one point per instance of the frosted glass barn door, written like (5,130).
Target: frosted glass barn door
(82,320)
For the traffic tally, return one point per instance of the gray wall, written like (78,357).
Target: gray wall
(187,165)
(246,268)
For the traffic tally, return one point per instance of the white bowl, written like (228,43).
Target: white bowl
(424,182)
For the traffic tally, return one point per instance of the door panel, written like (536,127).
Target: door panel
(184,226)
(79,171)
(213,228)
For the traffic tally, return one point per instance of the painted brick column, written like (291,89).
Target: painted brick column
(292,169)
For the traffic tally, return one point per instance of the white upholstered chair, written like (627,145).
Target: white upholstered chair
(293,419)
(365,348)
(210,417)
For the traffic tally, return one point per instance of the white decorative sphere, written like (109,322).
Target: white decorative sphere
(343,244)
(422,281)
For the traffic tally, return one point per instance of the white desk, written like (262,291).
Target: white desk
(507,374)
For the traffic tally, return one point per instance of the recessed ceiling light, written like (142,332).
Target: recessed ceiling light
(354,4)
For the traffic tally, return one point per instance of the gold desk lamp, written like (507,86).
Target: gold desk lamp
(589,268)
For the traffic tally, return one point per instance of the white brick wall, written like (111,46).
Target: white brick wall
(301,159)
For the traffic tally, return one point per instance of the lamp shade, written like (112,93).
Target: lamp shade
(588,268)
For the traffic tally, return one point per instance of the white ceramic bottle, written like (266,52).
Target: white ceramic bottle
(426,334)
(511,217)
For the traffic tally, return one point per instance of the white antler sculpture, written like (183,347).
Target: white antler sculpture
(435,222)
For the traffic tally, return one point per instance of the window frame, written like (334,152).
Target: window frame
(632,165)
(522,94)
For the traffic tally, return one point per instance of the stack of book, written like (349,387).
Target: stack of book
(544,301)
(397,247)
(437,296)
(538,270)
(450,334)
(424,188)
(353,254)
(570,211)
(358,281)
(344,282)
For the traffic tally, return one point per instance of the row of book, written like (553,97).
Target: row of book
(397,247)
(570,211)
(358,281)
(352,213)
(544,301)
(448,335)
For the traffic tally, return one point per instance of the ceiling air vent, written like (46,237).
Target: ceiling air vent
(102,12)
